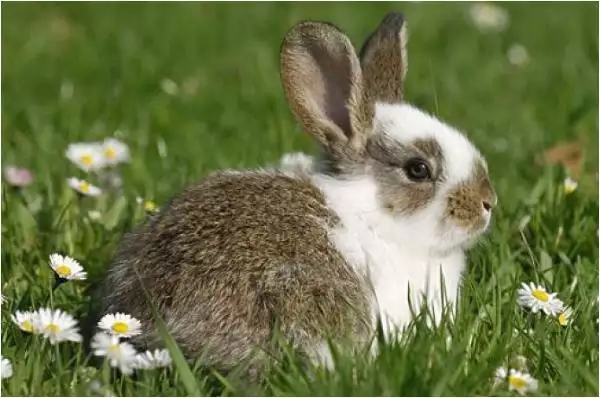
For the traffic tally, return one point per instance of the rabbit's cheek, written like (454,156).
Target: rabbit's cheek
(402,197)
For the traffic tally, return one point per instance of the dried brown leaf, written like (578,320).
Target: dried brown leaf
(568,154)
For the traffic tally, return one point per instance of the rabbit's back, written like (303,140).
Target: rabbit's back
(229,258)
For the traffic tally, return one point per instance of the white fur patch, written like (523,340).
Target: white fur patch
(406,123)
(395,253)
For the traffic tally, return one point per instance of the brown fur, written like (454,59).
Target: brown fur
(233,256)
(465,202)
(230,257)
(383,60)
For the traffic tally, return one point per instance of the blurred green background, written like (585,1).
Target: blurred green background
(79,72)
(192,87)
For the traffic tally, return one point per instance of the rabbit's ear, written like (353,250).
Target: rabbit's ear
(383,60)
(322,80)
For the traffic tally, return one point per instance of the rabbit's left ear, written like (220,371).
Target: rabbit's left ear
(383,60)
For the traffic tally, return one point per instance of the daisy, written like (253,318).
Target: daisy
(169,86)
(518,55)
(564,317)
(115,151)
(148,205)
(67,268)
(6,369)
(83,187)
(521,382)
(87,156)
(570,185)
(120,354)
(488,17)
(158,358)
(120,324)
(26,321)
(57,326)
(537,298)
(67,90)
(17,177)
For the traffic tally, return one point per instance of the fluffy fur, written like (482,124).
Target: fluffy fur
(319,248)
(407,251)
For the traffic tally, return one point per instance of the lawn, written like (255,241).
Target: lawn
(193,87)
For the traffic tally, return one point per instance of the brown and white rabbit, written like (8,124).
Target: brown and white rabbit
(318,250)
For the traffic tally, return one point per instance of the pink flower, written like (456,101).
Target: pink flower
(17,177)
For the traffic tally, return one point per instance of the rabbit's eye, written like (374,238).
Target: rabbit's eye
(417,170)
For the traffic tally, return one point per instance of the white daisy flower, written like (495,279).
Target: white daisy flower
(521,382)
(489,17)
(67,268)
(296,162)
(88,156)
(67,90)
(120,324)
(169,86)
(84,187)
(570,185)
(57,326)
(26,321)
(564,317)
(517,55)
(158,358)
(115,151)
(6,369)
(537,298)
(120,354)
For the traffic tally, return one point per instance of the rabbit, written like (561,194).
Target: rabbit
(328,250)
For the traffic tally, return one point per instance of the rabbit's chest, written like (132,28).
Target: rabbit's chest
(396,271)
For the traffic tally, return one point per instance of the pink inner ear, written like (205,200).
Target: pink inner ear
(329,84)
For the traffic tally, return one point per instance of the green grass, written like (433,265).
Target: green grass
(230,112)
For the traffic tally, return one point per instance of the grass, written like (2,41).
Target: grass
(108,61)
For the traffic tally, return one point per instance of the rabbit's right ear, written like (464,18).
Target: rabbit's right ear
(322,81)
(383,60)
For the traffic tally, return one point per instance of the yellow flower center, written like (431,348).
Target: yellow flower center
(27,326)
(563,319)
(120,327)
(53,328)
(84,187)
(149,205)
(63,271)
(517,382)
(541,295)
(87,160)
(110,152)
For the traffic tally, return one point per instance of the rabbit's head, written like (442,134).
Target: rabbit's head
(425,171)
